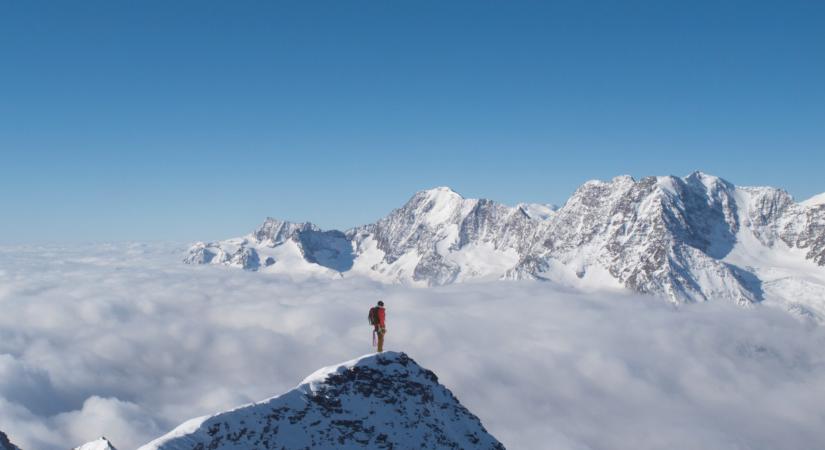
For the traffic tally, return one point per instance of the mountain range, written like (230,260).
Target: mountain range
(687,239)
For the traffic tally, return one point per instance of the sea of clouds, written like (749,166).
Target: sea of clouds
(125,341)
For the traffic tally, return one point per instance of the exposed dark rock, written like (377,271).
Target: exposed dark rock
(379,401)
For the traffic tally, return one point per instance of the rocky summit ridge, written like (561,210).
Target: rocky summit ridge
(5,443)
(100,443)
(692,238)
(379,401)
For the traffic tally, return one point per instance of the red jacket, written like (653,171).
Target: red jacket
(381,317)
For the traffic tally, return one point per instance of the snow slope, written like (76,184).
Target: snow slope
(376,401)
(98,444)
(540,211)
(782,274)
(814,201)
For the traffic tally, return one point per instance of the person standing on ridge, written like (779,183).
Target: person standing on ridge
(376,318)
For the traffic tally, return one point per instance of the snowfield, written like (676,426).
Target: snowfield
(124,341)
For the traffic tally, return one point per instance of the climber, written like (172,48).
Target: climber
(376,318)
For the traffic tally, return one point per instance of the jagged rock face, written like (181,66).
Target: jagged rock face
(667,236)
(274,232)
(658,235)
(331,249)
(247,258)
(497,224)
(435,224)
(775,216)
(379,401)
(813,235)
(769,206)
(804,228)
(5,443)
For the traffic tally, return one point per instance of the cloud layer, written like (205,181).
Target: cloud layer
(127,342)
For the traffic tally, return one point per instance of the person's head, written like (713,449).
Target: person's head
(380,303)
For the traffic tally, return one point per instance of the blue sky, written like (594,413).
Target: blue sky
(194,120)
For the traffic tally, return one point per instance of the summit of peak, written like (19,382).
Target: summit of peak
(709,181)
(442,188)
(386,361)
(703,176)
(623,179)
(100,443)
(277,231)
(276,221)
(441,191)
(381,400)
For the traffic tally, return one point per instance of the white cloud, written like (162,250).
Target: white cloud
(125,341)
(106,417)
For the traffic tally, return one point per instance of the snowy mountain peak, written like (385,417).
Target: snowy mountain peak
(623,179)
(699,175)
(100,443)
(711,183)
(377,401)
(441,191)
(437,205)
(5,443)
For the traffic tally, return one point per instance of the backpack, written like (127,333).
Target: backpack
(373,316)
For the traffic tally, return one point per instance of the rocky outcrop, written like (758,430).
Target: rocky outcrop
(5,443)
(380,401)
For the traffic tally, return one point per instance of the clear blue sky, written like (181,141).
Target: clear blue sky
(182,120)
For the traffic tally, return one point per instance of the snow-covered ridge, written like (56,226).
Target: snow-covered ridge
(376,401)
(100,443)
(680,238)
(815,201)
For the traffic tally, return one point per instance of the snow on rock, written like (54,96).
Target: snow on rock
(538,211)
(100,443)
(303,247)
(438,237)
(377,401)
(680,238)
(658,235)
(425,241)
(5,443)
